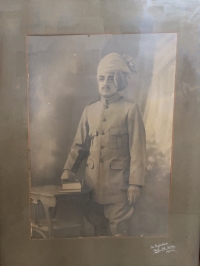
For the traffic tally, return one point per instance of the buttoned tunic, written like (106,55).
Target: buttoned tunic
(111,135)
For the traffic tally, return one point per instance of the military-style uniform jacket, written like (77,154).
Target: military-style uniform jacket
(111,135)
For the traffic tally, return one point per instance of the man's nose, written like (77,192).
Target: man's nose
(106,82)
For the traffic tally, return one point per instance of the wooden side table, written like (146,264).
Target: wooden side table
(50,196)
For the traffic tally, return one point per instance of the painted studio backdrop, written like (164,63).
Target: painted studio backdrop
(63,81)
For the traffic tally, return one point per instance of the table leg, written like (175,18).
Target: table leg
(81,218)
(37,218)
(33,213)
(48,214)
(81,212)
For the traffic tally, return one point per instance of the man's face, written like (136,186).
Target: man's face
(106,84)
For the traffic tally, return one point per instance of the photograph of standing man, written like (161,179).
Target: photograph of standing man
(111,136)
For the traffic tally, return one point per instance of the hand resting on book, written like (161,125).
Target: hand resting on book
(68,175)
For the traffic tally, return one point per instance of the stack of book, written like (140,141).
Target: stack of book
(74,186)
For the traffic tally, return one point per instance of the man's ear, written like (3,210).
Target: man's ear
(120,80)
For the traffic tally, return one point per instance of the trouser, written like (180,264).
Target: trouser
(109,219)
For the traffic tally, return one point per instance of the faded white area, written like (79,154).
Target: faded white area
(158,116)
(158,112)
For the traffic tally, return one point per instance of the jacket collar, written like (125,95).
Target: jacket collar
(114,98)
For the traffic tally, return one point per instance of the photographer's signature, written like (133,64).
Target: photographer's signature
(164,247)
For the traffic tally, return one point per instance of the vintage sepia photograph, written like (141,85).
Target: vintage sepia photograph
(100,134)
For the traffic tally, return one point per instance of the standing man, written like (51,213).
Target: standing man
(111,135)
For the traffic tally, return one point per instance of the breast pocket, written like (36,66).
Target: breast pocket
(93,136)
(118,137)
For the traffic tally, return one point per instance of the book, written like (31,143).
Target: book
(69,190)
(71,185)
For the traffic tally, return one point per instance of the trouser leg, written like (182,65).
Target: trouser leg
(94,213)
(118,215)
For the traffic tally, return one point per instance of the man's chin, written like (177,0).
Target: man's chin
(106,95)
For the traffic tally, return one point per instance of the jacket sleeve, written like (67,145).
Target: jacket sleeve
(137,146)
(80,146)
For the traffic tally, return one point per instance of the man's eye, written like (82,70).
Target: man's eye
(100,79)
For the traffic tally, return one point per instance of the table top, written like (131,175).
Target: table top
(52,191)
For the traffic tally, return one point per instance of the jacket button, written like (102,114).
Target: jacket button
(101,160)
(104,120)
(106,106)
(102,133)
(102,147)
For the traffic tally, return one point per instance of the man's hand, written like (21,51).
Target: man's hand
(133,194)
(68,175)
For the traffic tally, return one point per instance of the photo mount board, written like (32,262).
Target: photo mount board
(79,17)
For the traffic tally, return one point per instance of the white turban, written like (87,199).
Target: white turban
(115,62)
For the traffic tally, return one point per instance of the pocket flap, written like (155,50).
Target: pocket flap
(90,163)
(118,164)
(118,131)
(93,132)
